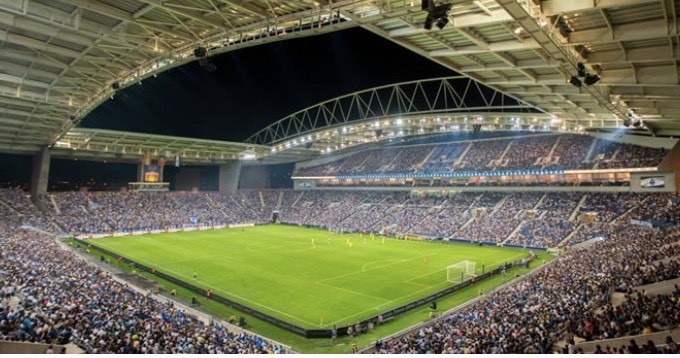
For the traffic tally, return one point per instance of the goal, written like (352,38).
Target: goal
(460,271)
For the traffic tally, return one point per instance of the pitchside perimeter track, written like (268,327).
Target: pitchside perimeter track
(304,276)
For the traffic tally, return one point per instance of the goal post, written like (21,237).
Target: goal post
(460,271)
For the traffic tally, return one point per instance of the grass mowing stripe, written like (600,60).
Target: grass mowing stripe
(177,274)
(277,268)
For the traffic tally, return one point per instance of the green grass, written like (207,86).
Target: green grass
(277,270)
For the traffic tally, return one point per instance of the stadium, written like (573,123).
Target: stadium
(526,203)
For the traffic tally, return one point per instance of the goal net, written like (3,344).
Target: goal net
(460,271)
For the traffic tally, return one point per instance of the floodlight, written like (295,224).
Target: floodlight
(581,70)
(591,79)
(428,23)
(442,22)
(200,52)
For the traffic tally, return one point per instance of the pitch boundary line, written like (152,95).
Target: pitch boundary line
(382,304)
(188,279)
(410,294)
(249,301)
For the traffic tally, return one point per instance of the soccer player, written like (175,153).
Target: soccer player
(383,240)
(313,243)
(334,335)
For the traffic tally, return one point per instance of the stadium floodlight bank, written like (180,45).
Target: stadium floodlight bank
(461,271)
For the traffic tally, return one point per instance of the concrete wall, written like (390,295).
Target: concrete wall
(188,179)
(229,176)
(668,178)
(672,164)
(40,173)
(9,347)
(643,141)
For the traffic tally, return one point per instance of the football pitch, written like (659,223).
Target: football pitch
(304,276)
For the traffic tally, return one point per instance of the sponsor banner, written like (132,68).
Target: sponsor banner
(241,225)
(652,182)
(641,223)
(142,232)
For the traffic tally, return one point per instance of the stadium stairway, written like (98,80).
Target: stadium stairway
(659,288)
(44,232)
(565,241)
(459,161)
(47,214)
(590,151)
(658,338)
(577,210)
(57,209)
(513,232)
(215,205)
(468,222)
(620,217)
(539,202)
(507,149)
(552,150)
(280,200)
(259,194)
(298,199)
(11,208)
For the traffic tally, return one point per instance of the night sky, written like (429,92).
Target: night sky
(256,86)
(251,88)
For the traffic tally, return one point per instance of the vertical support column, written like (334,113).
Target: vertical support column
(671,163)
(40,173)
(229,176)
(140,171)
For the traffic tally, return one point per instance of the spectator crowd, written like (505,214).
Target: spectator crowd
(48,294)
(532,152)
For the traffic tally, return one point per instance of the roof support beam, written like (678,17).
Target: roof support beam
(636,55)
(497,17)
(193,15)
(493,47)
(643,30)
(555,7)
(37,45)
(662,75)
(121,15)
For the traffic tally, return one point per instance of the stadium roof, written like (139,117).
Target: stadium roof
(100,144)
(59,59)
